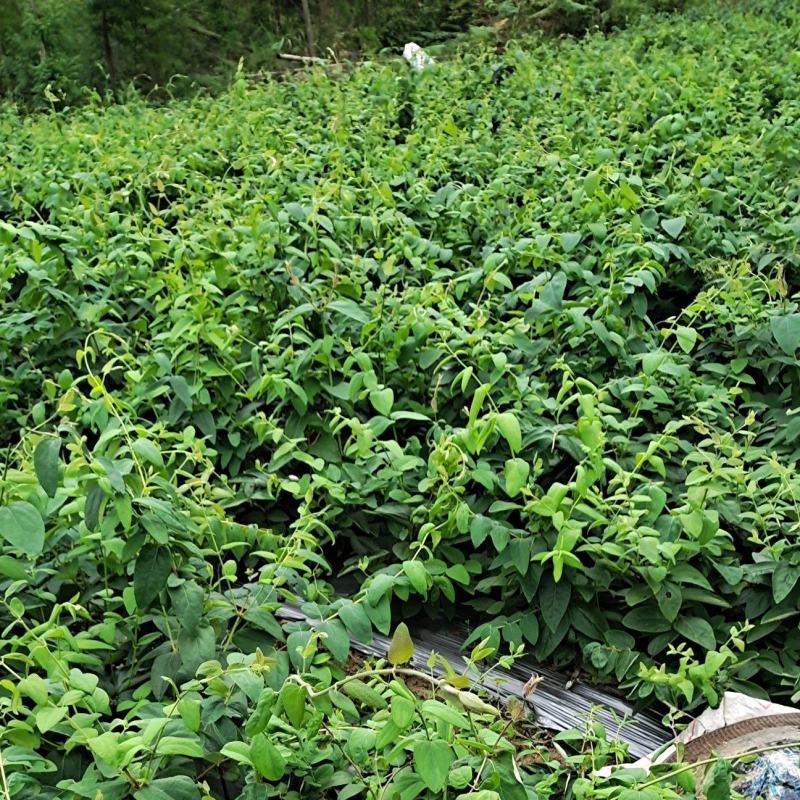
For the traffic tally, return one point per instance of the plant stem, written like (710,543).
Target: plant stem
(412,673)
(3,779)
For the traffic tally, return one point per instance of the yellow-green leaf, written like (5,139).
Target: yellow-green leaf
(401,648)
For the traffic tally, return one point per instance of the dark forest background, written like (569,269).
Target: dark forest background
(59,51)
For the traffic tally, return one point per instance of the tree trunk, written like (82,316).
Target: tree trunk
(42,45)
(108,50)
(309,29)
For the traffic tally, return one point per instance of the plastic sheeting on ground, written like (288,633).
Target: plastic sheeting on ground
(767,733)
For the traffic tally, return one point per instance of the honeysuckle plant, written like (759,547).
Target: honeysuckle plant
(526,357)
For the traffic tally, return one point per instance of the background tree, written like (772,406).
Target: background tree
(68,45)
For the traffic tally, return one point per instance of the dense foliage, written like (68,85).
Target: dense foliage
(56,53)
(518,334)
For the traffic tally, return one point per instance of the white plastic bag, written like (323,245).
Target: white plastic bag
(417,58)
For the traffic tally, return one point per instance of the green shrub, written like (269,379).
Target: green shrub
(514,338)
(47,52)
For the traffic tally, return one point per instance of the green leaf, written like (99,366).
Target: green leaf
(13,569)
(22,527)
(696,630)
(165,665)
(591,183)
(264,621)
(356,621)
(784,579)
(179,787)
(693,523)
(417,575)
(432,761)
(388,734)
(301,649)
(652,361)
(477,402)
(145,449)
(182,391)
(516,474)
(638,794)
(261,713)
(340,700)
(363,694)
(124,509)
(189,708)
(529,626)
(336,639)
(196,645)
(266,758)
(674,226)
(45,464)
(569,241)
(179,746)
(106,747)
(378,586)
(687,338)
(187,604)
(401,648)
(552,293)
(402,711)
(717,780)
(351,309)
(91,509)
(508,425)
(479,529)
(434,709)
(645,619)
(47,718)
(35,687)
(238,752)
(670,599)
(382,401)
(150,574)
(293,700)
(460,777)
(475,705)
(458,573)
(359,743)
(554,600)
(786,330)
(380,615)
